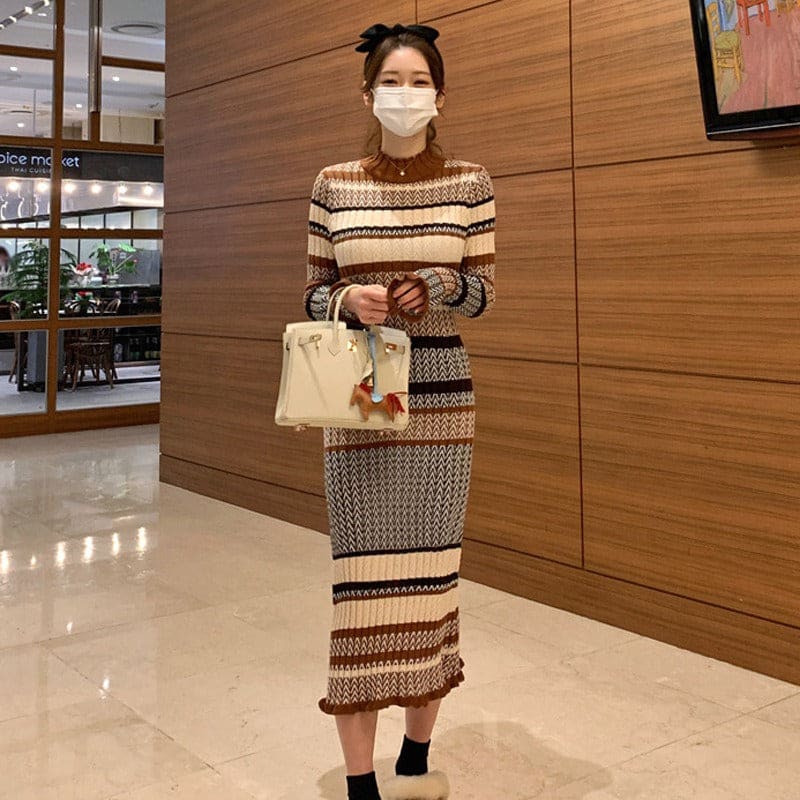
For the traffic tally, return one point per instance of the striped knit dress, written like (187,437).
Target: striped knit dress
(396,500)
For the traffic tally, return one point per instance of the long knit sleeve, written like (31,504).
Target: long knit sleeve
(469,290)
(322,273)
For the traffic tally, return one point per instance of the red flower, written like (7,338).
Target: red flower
(84,267)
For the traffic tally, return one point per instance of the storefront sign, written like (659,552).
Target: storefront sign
(29,162)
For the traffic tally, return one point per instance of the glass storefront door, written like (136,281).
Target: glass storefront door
(81,213)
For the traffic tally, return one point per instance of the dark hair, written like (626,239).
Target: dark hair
(4,252)
(372,67)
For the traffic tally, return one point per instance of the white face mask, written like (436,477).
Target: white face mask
(404,110)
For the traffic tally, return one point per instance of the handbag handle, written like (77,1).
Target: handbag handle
(334,346)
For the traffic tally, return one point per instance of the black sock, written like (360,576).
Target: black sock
(362,787)
(413,758)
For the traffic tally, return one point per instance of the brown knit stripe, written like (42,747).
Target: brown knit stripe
(406,654)
(371,236)
(392,266)
(441,410)
(474,262)
(403,627)
(375,705)
(399,443)
(323,263)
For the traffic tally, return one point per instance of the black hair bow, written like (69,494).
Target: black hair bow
(377,33)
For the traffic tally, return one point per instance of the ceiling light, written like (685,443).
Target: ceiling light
(138,28)
(69,188)
(96,188)
(42,186)
(28,10)
(78,105)
(123,189)
(148,190)
(20,124)
(14,69)
(13,186)
(42,14)
(116,78)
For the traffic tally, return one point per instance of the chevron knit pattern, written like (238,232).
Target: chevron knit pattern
(397,499)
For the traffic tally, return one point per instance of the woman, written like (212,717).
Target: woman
(415,232)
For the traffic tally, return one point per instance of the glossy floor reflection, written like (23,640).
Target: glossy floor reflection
(158,644)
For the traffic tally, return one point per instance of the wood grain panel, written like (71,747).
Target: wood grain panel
(249,282)
(281,502)
(749,642)
(429,9)
(264,136)
(534,315)
(216,43)
(508,100)
(217,409)
(636,92)
(525,491)
(692,486)
(692,264)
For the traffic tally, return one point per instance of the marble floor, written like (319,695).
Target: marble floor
(158,644)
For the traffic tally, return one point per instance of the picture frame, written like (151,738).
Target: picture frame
(746,51)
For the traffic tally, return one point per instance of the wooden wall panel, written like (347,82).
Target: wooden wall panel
(750,642)
(429,9)
(218,406)
(281,502)
(636,92)
(264,136)
(692,264)
(534,316)
(692,486)
(525,491)
(508,104)
(249,287)
(217,42)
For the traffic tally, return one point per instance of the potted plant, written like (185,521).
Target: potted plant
(113,261)
(28,274)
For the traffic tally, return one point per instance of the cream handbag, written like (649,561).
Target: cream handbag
(336,377)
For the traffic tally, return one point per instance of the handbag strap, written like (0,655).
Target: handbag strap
(339,295)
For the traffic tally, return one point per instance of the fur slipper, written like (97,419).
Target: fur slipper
(430,786)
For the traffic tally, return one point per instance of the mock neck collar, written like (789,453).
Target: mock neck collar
(423,166)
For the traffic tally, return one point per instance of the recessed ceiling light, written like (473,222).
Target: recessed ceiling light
(78,105)
(123,189)
(13,186)
(116,78)
(14,69)
(96,188)
(42,186)
(138,28)
(20,124)
(69,188)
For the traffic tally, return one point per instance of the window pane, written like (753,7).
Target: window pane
(23,372)
(134,30)
(26,90)
(27,24)
(24,187)
(133,106)
(24,268)
(118,276)
(99,186)
(76,71)
(111,366)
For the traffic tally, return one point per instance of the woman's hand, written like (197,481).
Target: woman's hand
(410,296)
(369,303)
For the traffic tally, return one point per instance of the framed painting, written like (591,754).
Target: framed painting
(748,62)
